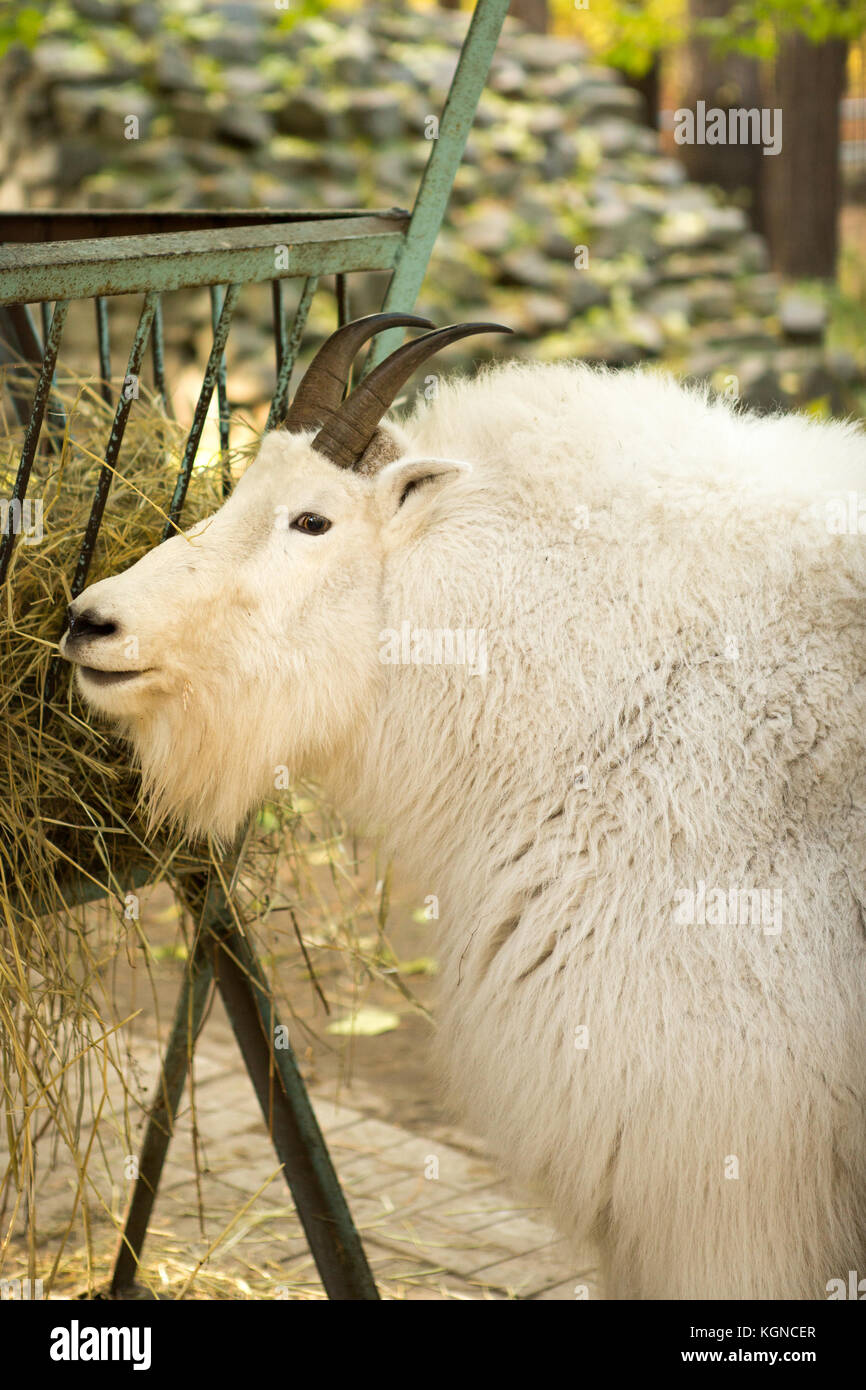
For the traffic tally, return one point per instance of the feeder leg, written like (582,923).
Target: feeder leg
(160,1126)
(334,1242)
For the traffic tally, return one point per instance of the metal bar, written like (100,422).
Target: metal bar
(216,299)
(438,178)
(64,224)
(106,475)
(31,437)
(54,407)
(187,260)
(158,354)
(222,953)
(115,439)
(297,1138)
(281,340)
(280,401)
(343,316)
(204,400)
(104,346)
(188,1020)
(342,290)
(20,345)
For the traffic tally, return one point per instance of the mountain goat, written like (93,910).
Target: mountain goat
(589,650)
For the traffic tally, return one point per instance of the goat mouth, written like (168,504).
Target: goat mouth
(104,678)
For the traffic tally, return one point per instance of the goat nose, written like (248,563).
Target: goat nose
(88,624)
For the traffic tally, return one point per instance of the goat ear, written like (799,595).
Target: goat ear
(398,481)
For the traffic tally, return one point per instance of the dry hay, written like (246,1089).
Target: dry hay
(71,818)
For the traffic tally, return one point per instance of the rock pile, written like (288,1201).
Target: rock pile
(566,221)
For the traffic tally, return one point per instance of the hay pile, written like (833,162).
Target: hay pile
(75,1074)
(67,794)
(69,813)
(69,819)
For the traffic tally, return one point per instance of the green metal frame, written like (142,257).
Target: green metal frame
(54,257)
(107,265)
(441,168)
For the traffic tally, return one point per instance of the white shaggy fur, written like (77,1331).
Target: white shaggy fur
(674,695)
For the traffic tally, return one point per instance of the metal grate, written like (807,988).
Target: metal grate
(223,258)
(51,259)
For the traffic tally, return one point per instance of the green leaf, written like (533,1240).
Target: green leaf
(160,953)
(421,965)
(24,27)
(365,1023)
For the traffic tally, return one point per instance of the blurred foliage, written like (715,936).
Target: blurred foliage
(847,300)
(19,26)
(628,34)
(294,12)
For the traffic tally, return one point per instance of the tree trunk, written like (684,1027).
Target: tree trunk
(801,185)
(649,86)
(722,82)
(535,14)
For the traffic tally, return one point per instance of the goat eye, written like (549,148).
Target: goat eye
(311,524)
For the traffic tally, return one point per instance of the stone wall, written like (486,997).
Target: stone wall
(566,220)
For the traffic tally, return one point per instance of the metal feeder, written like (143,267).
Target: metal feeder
(52,258)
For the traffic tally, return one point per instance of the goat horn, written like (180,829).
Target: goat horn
(324,383)
(344,437)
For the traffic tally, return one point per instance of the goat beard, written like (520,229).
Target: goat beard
(203,786)
(202,772)
(205,774)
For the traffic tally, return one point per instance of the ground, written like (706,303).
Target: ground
(224,1226)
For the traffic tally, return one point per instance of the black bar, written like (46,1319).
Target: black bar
(104,347)
(201,409)
(160,1126)
(115,439)
(333,1240)
(342,299)
(31,438)
(158,350)
(217,294)
(280,402)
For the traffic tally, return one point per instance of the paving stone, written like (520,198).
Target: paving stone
(472,1211)
(332,1117)
(531,1274)
(520,1235)
(456,1169)
(367,1136)
(426,1239)
(458,1290)
(248,1178)
(404,1192)
(567,1292)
